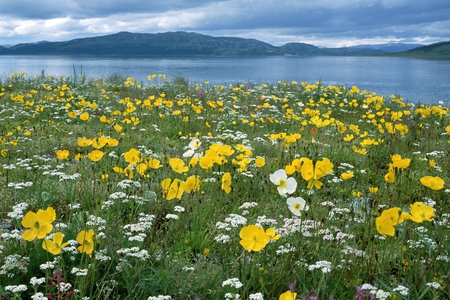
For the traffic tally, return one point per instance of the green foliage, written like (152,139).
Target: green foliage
(188,247)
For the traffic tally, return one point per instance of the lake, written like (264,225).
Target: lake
(415,80)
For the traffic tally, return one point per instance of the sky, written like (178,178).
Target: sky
(323,23)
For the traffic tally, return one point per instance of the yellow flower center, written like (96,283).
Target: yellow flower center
(297,206)
(282,183)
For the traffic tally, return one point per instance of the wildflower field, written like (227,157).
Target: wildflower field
(117,189)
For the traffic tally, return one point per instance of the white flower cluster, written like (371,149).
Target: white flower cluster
(263,220)
(124,184)
(349,250)
(39,296)
(291,225)
(134,252)
(79,272)
(378,293)
(257,296)
(248,205)
(222,238)
(14,264)
(232,296)
(37,281)
(160,297)
(18,210)
(16,288)
(233,282)
(20,185)
(172,216)
(285,249)
(236,220)
(402,290)
(434,285)
(15,234)
(324,265)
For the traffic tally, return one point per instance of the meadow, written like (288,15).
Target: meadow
(117,189)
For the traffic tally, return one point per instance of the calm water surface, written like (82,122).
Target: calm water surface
(425,81)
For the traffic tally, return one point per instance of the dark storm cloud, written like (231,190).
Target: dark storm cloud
(272,21)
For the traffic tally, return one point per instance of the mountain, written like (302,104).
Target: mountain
(434,51)
(188,44)
(389,48)
(169,43)
(299,49)
(4,50)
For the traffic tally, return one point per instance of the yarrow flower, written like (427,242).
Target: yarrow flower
(233,282)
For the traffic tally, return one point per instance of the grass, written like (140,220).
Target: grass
(155,195)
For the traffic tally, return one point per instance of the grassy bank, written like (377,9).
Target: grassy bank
(117,189)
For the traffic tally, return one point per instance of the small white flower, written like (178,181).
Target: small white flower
(16,288)
(233,282)
(286,185)
(257,296)
(39,296)
(178,208)
(172,216)
(434,285)
(37,281)
(296,205)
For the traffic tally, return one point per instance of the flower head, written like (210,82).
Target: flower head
(95,155)
(226,182)
(62,154)
(132,156)
(39,223)
(288,296)
(178,165)
(389,219)
(285,185)
(296,205)
(86,241)
(421,212)
(172,189)
(55,246)
(312,173)
(253,238)
(435,183)
(347,175)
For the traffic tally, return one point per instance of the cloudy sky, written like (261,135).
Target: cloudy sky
(329,23)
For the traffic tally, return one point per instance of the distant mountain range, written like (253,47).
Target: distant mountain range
(195,44)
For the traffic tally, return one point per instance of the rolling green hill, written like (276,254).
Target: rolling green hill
(434,51)
(195,44)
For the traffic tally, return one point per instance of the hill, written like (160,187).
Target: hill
(173,44)
(194,44)
(389,47)
(434,51)
(160,44)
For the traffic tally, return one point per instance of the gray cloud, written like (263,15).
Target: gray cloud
(328,22)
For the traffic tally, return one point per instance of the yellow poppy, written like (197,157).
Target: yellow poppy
(55,246)
(39,223)
(62,154)
(253,238)
(226,182)
(86,240)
